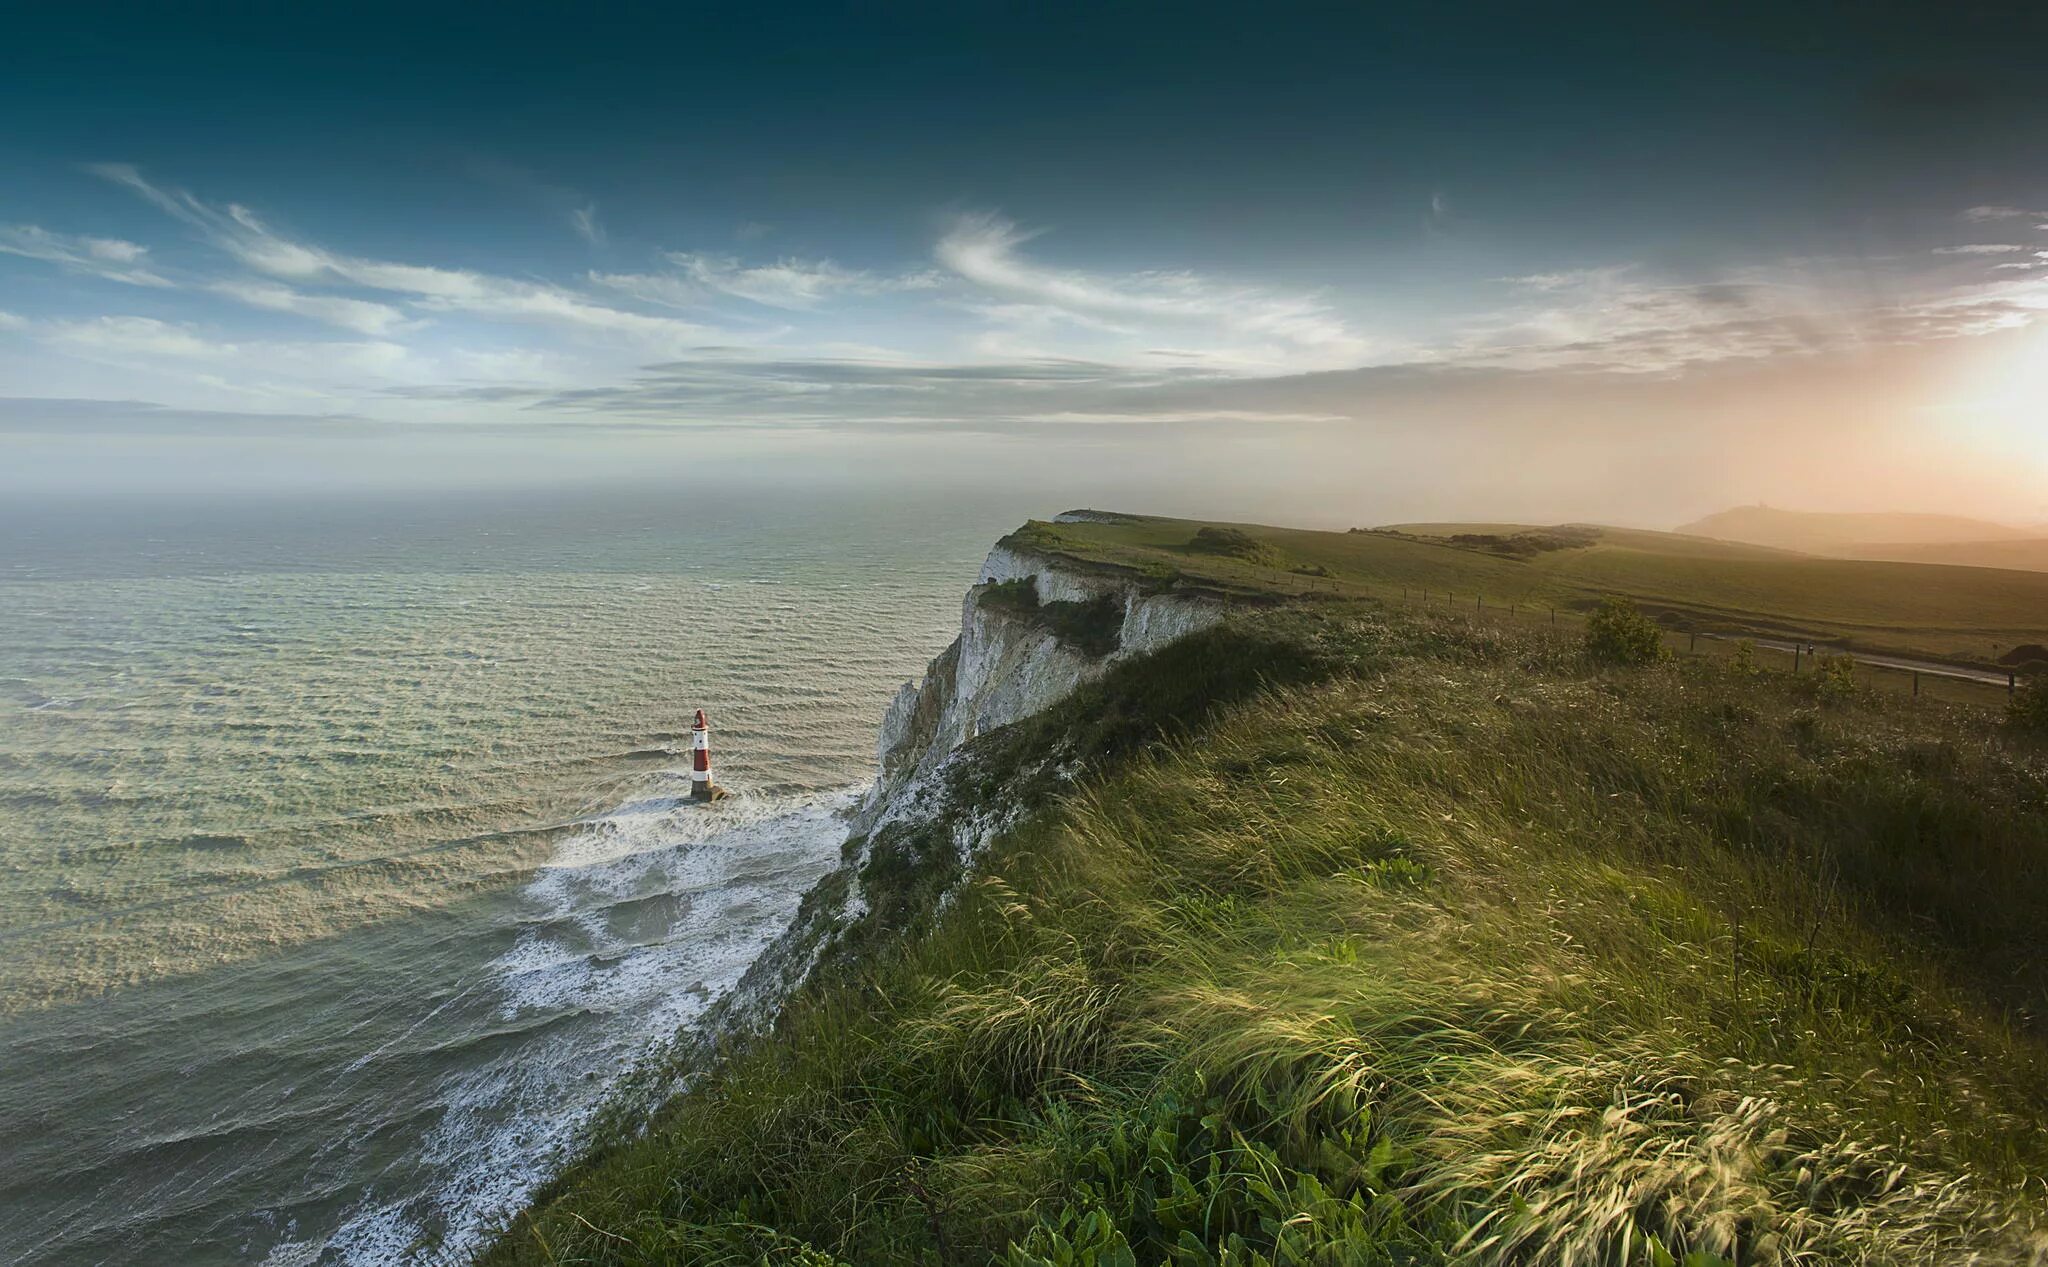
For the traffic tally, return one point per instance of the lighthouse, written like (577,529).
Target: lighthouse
(701,786)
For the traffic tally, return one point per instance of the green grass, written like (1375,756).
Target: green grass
(1950,613)
(1370,935)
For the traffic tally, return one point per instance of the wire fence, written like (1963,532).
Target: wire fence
(1928,678)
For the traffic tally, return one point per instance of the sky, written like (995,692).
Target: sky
(1328,264)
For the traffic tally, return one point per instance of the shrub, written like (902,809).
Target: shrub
(1836,680)
(2028,710)
(1619,633)
(1093,626)
(1233,543)
(1020,594)
(1745,658)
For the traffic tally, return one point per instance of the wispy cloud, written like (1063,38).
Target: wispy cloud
(789,283)
(360,315)
(1625,320)
(584,220)
(1978,215)
(242,234)
(112,259)
(983,249)
(1436,222)
(134,336)
(1980,248)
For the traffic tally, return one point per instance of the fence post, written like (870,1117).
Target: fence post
(1694,645)
(1795,658)
(1553,615)
(1916,684)
(2012,681)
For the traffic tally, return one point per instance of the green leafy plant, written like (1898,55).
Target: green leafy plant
(1836,680)
(1745,658)
(1618,633)
(1234,543)
(2027,711)
(1020,594)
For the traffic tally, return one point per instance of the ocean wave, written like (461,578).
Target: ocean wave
(627,934)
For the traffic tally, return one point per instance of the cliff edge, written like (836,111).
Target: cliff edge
(1034,628)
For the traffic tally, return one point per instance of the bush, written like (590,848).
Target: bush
(2028,710)
(1836,680)
(1619,633)
(1745,658)
(1093,626)
(1232,543)
(1020,594)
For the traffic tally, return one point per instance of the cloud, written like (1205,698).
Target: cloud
(143,336)
(724,384)
(360,315)
(983,249)
(792,284)
(1981,214)
(36,415)
(10,321)
(577,210)
(109,258)
(203,366)
(245,236)
(1620,320)
(1436,221)
(1980,248)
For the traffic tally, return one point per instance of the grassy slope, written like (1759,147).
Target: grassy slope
(1825,533)
(1447,946)
(2026,555)
(1965,614)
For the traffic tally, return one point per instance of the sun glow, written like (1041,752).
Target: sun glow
(2002,406)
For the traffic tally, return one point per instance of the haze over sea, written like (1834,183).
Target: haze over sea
(343,864)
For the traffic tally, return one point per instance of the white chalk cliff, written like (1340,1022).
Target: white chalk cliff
(1005,666)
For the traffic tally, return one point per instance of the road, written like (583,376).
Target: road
(1994,677)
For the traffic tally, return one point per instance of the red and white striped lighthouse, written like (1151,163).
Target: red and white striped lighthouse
(700,759)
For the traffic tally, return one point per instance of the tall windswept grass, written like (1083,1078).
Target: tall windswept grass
(1445,948)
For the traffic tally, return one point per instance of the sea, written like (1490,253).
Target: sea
(346,863)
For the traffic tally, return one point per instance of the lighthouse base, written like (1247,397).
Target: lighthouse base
(706,791)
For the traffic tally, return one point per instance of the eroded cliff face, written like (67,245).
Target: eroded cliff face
(1007,665)
(931,811)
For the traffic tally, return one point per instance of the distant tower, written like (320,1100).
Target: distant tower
(701,788)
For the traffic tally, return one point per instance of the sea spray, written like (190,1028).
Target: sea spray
(640,921)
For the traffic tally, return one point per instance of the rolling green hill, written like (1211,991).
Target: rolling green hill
(2024,554)
(1823,533)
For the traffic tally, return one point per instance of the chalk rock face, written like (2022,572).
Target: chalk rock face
(1005,666)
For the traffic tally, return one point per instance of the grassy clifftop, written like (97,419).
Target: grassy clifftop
(1375,935)
(1967,614)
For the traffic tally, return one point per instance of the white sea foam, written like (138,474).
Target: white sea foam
(635,926)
